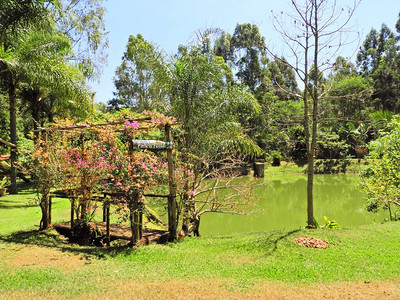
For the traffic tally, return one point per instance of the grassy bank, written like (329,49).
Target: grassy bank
(322,166)
(37,265)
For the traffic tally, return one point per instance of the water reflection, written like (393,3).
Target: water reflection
(283,200)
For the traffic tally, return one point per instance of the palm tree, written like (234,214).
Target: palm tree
(37,60)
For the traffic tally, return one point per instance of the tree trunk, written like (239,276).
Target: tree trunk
(311,153)
(310,194)
(44,206)
(13,135)
(192,224)
(196,225)
(36,117)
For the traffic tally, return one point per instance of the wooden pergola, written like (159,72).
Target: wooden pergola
(145,123)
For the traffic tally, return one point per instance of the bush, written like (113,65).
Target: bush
(330,166)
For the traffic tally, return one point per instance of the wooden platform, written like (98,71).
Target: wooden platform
(4,156)
(120,231)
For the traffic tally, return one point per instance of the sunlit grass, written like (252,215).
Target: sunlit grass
(46,265)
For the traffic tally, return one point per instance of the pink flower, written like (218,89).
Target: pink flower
(132,124)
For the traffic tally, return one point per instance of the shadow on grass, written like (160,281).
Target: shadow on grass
(52,239)
(9,204)
(273,239)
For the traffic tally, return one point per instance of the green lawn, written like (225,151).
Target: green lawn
(45,264)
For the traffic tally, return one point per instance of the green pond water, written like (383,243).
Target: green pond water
(283,201)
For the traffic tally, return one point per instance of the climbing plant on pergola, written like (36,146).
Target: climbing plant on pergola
(107,161)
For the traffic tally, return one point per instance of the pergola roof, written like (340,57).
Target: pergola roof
(146,121)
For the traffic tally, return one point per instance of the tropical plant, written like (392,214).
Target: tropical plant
(330,224)
(3,182)
(381,177)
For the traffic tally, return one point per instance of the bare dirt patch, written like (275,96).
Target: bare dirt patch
(228,289)
(20,256)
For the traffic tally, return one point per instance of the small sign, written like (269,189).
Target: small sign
(151,144)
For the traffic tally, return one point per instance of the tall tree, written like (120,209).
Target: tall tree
(248,54)
(135,79)
(316,36)
(83,22)
(16,16)
(283,79)
(379,61)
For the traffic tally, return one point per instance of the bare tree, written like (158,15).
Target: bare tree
(205,186)
(314,32)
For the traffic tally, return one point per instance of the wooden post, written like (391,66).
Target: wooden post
(140,212)
(172,205)
(72,212)
(83,203)
(108,223)
(259,169)
(104,211)
(134,217)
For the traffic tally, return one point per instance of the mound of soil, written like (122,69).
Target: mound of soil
(311,242)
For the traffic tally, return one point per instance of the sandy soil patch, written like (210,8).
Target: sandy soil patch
(20,256)
(226,289)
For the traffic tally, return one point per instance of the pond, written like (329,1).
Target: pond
(283,201)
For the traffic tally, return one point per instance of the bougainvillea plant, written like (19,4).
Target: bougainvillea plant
(96,157)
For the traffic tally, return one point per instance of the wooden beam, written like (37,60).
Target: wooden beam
(8,143)
(89,126)
(156,196)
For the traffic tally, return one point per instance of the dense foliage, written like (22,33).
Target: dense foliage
(381,177)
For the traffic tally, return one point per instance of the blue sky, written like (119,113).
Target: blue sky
(169,23)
